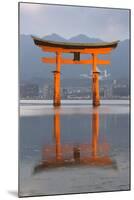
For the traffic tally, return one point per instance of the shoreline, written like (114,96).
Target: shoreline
(43,108)
(74,102)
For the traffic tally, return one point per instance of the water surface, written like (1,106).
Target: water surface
(73,149)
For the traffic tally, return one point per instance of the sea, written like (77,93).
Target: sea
(74,148)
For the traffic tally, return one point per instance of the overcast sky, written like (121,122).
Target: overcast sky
(69,21)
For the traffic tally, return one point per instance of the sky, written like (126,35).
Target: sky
(68,21)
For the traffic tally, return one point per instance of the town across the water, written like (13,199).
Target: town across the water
(74,89)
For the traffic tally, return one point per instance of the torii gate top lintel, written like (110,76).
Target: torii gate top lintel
(73,46)
(76,48)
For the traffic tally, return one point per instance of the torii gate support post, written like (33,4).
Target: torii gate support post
(95,82)
(57,96)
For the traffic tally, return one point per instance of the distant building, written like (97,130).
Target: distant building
(120,88)
(114,82)
(29,91)
(121,91)
(64,93)
(75,93)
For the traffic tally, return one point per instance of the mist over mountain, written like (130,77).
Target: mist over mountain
(31,66)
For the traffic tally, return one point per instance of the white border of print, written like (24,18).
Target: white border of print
(9,99)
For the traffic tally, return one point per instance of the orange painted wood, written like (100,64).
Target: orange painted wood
(83,51)
(95,89)
(58,61)
(69,61)
(57,96)
(95,82)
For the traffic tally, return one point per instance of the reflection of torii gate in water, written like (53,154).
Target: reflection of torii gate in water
(68,155)
(75,48)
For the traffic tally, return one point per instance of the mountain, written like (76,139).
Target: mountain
(54,37)
(83,38)
(120,61)
(31,65)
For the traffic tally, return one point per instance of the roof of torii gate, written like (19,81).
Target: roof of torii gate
(72,45)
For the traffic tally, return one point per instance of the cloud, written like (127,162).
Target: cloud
(106,24)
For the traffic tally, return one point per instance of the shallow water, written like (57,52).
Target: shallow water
(73,149)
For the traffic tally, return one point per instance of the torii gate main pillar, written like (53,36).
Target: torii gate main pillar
(95,82)
(57,95)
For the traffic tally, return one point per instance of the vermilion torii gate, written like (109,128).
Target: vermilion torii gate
(75,48)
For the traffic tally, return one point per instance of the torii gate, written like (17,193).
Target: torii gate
(75,48)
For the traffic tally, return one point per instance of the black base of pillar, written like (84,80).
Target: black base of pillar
(96,103)
(56,104)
